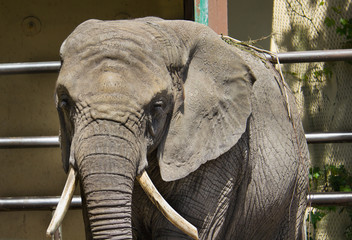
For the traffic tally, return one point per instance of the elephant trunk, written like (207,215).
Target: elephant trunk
(107,167)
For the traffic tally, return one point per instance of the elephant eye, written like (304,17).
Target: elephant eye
(158,109)
(64,102)
(159,105)
(158,114)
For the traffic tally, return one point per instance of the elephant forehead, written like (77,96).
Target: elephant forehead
(110,38)
(109,57)
(140,83)
(138,88)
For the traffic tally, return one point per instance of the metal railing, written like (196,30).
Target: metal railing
(30,142)
(287,57)
(49,203)
(53,141)
(30,67)
(313,56)
(35,203)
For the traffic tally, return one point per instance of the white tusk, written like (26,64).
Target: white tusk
(165,208)
(64,203)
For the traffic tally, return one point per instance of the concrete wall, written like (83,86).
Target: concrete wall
(33,31)
(250,20)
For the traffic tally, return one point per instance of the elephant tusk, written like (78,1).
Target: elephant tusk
(64,203)
(165,208)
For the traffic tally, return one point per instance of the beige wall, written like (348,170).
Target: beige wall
(27,101)
(250,20)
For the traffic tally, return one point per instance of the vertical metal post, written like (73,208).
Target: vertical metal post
(201,11)
(212,13)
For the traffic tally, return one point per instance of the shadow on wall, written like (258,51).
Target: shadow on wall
(322,90)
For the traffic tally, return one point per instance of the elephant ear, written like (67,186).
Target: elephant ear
(215,108)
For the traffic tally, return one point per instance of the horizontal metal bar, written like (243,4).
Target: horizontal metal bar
(328,137)
(30,67)
(330,199)
(287,57)
(313,56)
(53,141)
(50,203)
(35,203)
(22,142)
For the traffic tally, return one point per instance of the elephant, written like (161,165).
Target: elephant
(213,126)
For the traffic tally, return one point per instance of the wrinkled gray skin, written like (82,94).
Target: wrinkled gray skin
(209,123)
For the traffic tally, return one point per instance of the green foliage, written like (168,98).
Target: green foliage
(343,26)
(329,179)
(317,73)
(315,217)
(329,22)
(345,29)
(321,3)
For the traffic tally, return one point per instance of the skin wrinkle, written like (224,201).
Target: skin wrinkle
(136,43)
(172,49)
(100,174)
(110,219)
(99,213)
(109,197)
(106,179)
(103,39)
(99,140)
(102,153)
(110,136)
(265,175)
(217,220)
(104,223)
(110,213)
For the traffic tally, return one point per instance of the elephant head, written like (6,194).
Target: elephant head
(131,88)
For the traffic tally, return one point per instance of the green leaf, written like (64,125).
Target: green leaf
(343,21)
(315,217)
(321,3)
(327,208)
(345,188)
(327,72)
(329,22)
(316,175)
(337,9)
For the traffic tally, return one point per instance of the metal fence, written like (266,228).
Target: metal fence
(49,203)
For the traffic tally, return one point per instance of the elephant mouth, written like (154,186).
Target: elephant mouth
(147,186)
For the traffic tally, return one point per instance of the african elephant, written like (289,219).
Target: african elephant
(214,126)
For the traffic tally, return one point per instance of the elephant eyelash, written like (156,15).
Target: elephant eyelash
(63,103)
(159,104)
